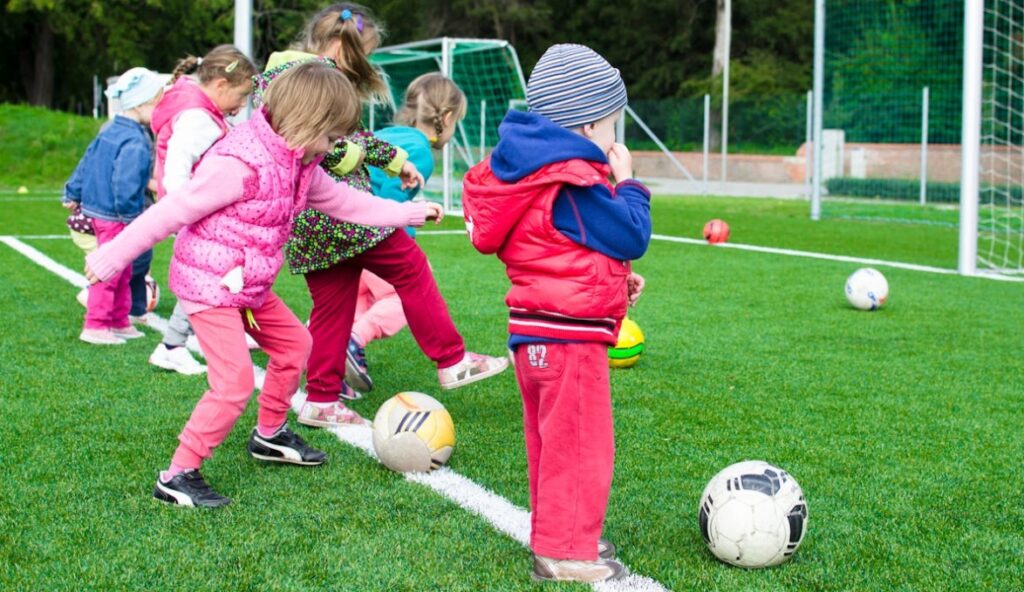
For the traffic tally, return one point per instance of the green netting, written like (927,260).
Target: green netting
(487,72)
(880,55)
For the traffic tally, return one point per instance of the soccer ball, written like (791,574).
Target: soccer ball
(867,289)
(752,514)
(152,293)
(413,432)
(630,345)
(716,231)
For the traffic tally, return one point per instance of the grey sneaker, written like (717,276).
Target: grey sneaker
(570,570)
(472,368)
(606,549)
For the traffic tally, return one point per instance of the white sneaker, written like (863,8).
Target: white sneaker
(128,332)
(334,416)
(472,368)
(177,360)
(100,337)
(569,570)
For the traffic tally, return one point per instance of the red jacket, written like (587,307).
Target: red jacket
(560,289)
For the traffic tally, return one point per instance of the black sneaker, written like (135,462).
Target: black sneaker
(284,447)
(189,489)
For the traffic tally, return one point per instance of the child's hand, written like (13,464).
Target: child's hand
(152,185)
(435,212)
(89,275)
(634,287)
(621,162)
(71,205)
(410,176)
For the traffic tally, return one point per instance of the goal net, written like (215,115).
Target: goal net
(487,71)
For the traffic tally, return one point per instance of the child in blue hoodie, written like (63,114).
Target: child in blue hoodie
(544,205)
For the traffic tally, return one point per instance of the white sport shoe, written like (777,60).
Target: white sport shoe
(128,332)
(337,415)
(100,337)
(177,359)
(569,570)
(472,368)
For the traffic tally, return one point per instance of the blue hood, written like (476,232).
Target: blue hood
(530,141)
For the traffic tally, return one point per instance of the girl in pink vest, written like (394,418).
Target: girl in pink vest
(232,220)
(186,123)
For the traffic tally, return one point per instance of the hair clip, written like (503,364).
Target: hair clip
(347,14)
(199,61)
(231,67)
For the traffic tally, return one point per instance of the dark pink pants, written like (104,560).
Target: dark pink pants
(399,261)
(570,444)
(110,301)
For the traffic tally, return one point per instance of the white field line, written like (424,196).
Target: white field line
(502,514)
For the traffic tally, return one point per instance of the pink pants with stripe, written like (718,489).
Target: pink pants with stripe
(570,444)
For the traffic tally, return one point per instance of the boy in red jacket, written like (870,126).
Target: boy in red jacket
(544,204)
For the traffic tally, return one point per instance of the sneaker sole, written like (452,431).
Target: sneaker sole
(169,496)
(316,423)
(175,368)
(95,341)
(475,378)
(283,458)
(358,380)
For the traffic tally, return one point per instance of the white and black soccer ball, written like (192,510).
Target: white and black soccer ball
(753,514)
(867,289)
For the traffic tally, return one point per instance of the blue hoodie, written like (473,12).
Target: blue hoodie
(616,222)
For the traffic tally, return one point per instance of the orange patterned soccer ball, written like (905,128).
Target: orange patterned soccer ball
(716,231)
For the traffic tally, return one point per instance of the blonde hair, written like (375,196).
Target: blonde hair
(328,25)
(428,99)
(223,61)
(309,100)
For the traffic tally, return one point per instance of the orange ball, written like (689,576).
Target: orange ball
(716,231)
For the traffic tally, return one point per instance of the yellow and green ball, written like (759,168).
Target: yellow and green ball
(629,347)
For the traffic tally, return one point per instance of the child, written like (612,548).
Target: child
(109,186)
(433,107)
(187,122)
(543,203)
(232,219)
(332,254)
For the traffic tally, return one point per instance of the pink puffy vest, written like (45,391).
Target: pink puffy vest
(250,232)
(185,94)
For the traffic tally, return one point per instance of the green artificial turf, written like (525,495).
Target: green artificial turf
(902,426)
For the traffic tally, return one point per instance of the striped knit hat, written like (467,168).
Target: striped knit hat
(572,85)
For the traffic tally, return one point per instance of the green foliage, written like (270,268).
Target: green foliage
(40,148)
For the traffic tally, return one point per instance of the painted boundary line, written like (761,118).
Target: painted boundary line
(502,514)
(703,243)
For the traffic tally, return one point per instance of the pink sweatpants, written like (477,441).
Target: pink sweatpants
(221,333)
(379,311)
(110,301)
(570,444)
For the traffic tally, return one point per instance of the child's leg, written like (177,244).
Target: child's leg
(140,268)
(379,311)
(104,308)
(229,371)
(178,327)
(399,261)
(333,291)
(284,338)
(570,445)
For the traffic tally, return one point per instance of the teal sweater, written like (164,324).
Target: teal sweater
(417,145)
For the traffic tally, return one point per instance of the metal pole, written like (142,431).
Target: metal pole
(707,140)
(819,88)
(243,40)
(725,93)
(446,152)
(96,94)
(924,145)
(809,142)
(483,129)
(970,135)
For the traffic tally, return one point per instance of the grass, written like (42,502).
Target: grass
(40,148)
(902,426)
